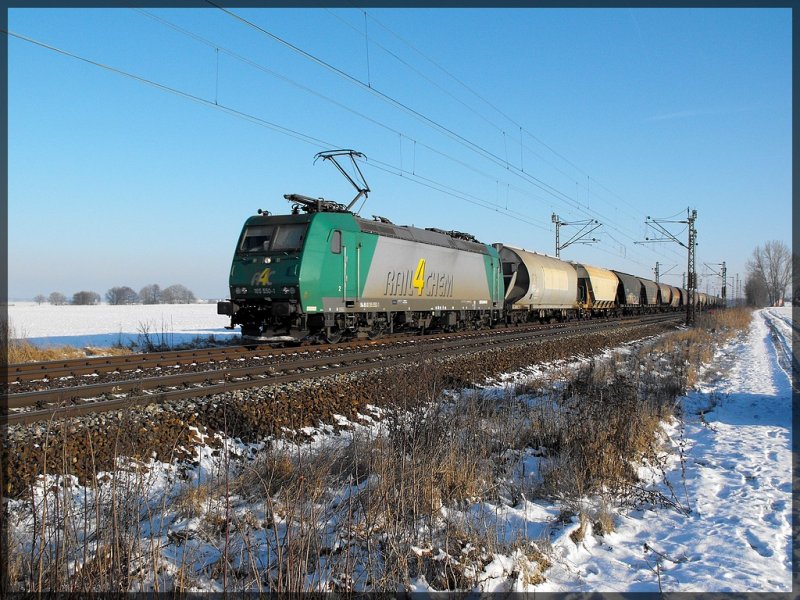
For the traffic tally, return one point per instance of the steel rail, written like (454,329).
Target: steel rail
(72,401)
(60,389)
(32,371)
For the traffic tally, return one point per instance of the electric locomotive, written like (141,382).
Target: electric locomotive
(322,272)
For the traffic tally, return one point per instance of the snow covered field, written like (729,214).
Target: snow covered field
(730,469)
(105,325)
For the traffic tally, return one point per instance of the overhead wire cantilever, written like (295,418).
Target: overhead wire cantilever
(578,238)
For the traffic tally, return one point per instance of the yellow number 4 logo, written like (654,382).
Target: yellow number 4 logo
(264,278)
(419,276)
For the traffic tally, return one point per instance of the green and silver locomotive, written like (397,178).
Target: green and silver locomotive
(322,272)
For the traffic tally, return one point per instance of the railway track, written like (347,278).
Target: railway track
(49,373)
(60,388)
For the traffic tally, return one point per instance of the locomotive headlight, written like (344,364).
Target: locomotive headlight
(267,260)
(240,290)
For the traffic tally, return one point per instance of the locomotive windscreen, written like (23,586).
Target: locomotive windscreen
(273,238)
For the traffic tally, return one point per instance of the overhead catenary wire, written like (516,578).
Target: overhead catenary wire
(280,128)
(433,123)
(499,161)
(309,90)
(430,183)
(483,99)
(331,100)
(522,130)
(313,140)
(429,80)
(441,68)
(316,142)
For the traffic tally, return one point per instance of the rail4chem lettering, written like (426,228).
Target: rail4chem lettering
(419,282)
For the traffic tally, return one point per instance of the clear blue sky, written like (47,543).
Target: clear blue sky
(611,114)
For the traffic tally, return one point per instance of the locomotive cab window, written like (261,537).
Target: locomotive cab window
(273,238)
(289,237)
(336,242)
(257,239)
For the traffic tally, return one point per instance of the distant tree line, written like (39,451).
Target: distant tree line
(149,294)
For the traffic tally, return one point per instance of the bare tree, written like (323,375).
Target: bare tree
(755,290)
(85,298)
(57,298)
(121,295)
(40,298)
(150,294)
(177,294)
(773,265)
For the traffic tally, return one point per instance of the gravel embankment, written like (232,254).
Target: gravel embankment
(88,445)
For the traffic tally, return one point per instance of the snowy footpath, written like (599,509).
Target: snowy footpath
(737,461)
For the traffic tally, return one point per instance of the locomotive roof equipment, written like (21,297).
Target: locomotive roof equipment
(363,189)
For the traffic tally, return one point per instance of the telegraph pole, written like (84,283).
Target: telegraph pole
(656,271)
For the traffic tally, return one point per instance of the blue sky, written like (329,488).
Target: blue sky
(609,114)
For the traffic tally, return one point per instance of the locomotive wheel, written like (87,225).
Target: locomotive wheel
(334,337)
(251,330)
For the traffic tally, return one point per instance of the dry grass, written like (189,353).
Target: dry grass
(22,351)
(365,512)
(604,522)
(596,427)
(533,569)
(17,349)
(692,348)
(191,501)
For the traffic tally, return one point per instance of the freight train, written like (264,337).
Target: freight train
(322,273)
